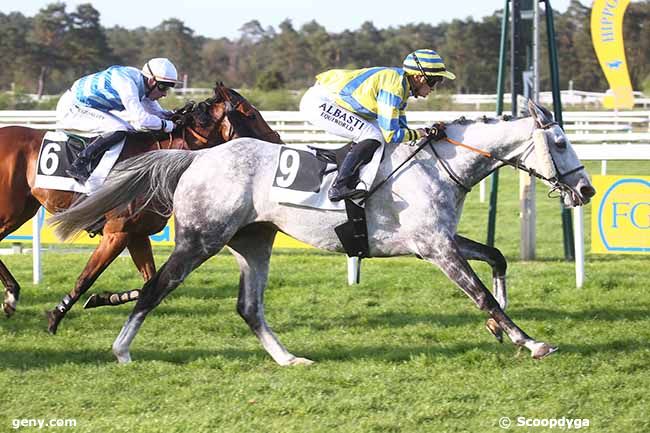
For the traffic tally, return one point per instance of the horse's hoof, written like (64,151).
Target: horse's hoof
(300,361)
(9,304)
(9,309)
(53,319)
(543,350)
(93,302)
(494,329)
(123,356)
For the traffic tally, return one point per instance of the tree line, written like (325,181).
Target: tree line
(45,53)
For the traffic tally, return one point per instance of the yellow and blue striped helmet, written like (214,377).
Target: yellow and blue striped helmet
(426,62)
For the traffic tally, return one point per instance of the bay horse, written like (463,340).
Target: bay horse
(220,198)
(220,118)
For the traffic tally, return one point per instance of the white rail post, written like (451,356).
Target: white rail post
(354,270)
(36,245)
(527,216)
(579,244)
(482,191)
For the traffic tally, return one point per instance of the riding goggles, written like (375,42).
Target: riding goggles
(433,80)
(164,86)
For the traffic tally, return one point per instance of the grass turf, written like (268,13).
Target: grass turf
(405,351)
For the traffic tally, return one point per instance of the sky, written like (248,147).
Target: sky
(220,18)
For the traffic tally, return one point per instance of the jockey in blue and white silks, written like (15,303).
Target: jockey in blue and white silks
(114,101)
(367,106)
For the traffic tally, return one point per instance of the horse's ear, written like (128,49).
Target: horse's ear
(541,115)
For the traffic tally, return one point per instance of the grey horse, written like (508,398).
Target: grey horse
(220,197)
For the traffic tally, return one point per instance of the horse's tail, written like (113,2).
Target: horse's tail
(150,178)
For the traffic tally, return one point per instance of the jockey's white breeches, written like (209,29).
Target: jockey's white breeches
(71,116)
(319,107)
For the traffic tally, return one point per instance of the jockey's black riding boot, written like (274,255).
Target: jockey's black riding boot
(80,168)
(344,185)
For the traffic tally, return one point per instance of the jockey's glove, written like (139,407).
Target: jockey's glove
(436,132)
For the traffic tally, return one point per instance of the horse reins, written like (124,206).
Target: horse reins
(170,140)
(196,135)
(517,164)
(425,142)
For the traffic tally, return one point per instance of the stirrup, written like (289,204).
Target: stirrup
(79,171)
(80,176)
(338,195)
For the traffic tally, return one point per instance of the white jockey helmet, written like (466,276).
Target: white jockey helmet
(161,70)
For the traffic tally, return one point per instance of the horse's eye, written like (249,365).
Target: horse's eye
(560,142)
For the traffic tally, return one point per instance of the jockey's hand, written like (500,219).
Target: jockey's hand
(437,131)
(178,121)
(168,125)
(184,109)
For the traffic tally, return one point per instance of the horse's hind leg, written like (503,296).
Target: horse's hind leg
(252,249)
(9,223)
(472,250)
(140,249)
(110,246)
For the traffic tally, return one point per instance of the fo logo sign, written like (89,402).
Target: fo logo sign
(620,220)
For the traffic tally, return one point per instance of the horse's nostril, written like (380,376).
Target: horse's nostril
(588,191)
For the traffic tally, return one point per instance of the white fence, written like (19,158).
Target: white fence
(581,126)
(569,97)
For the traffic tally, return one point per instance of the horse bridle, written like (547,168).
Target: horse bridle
(230,106)
(556,182)
(203,138)
(249,114)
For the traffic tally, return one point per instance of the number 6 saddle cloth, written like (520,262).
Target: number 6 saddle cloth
(58,150)
(304,174)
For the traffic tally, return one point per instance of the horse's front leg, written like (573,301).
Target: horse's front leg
(15,214)
(448,256)
(472,250)
(12,290)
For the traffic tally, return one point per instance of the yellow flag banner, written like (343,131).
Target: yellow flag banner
(607,37)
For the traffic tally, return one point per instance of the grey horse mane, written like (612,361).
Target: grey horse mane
(462,120)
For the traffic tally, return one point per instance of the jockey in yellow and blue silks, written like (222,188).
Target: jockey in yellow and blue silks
(367,106)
